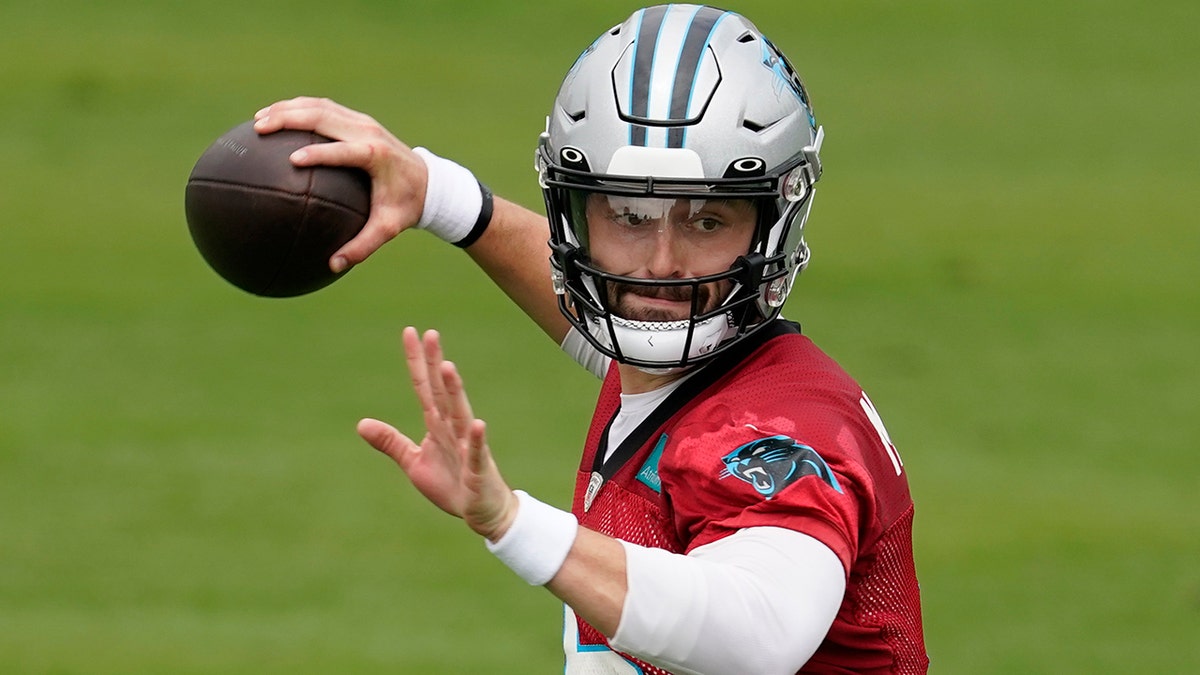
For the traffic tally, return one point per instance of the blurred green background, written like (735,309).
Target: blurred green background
(1006,256)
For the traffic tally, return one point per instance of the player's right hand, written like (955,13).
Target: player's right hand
(398,176)
(452,466)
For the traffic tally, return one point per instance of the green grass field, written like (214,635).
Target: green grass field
(1006,246)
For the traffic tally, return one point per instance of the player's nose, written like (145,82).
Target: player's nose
(664,253)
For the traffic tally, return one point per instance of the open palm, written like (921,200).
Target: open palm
(452,466)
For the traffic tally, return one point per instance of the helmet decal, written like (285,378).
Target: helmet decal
(788,78)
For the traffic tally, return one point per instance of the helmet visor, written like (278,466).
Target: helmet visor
(661,258)
(670,236)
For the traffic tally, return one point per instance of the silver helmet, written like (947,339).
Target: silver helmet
(680,102)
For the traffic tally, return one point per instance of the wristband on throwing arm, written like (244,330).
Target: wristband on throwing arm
(458,208)
(538,541)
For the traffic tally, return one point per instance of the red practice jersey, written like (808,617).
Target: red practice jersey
(773,434)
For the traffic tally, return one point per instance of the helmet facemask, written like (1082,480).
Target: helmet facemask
(725,305)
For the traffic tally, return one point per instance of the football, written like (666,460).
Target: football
(265,225)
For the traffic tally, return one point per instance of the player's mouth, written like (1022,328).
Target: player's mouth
(655,303)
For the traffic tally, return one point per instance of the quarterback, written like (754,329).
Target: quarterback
(739,505)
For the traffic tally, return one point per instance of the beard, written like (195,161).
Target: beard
(622,301)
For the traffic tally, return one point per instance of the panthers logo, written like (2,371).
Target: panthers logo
(771,464)
(777,63)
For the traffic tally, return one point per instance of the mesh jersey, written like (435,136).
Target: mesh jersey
(784,438)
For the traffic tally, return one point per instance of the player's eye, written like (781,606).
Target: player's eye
(706,224)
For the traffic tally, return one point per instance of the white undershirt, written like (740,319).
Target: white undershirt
(634,410)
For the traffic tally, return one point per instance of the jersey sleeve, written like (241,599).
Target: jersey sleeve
(796,468)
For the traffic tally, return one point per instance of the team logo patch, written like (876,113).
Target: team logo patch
(771,464)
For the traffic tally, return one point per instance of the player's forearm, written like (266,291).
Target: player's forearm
(592,580)
(758,601)
(546,547)
(514,252)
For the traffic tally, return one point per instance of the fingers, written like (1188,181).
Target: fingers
(438,386)
(453,466)
(398,177)
(434,367)
(496,507)
(461,416)
(425,367)
(310,114)
(363,140)
(418,371)
(478,455)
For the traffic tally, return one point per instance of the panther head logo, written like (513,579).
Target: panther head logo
(771,464)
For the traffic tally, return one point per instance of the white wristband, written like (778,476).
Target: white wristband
(538,541)
(458,208)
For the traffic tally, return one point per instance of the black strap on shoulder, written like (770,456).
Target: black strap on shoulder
(709,373)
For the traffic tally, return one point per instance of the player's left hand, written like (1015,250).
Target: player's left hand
(452,466)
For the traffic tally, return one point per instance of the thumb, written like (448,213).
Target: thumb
(370,239)
(386,439)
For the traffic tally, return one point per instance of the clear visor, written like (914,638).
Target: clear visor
(697,230)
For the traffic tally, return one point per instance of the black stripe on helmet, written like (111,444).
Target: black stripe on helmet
(694,43)
(643,65)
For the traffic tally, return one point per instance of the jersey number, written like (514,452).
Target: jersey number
(877,422)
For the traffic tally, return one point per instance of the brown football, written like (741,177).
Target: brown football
(265,225)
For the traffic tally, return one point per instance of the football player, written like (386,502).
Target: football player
(739,505)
